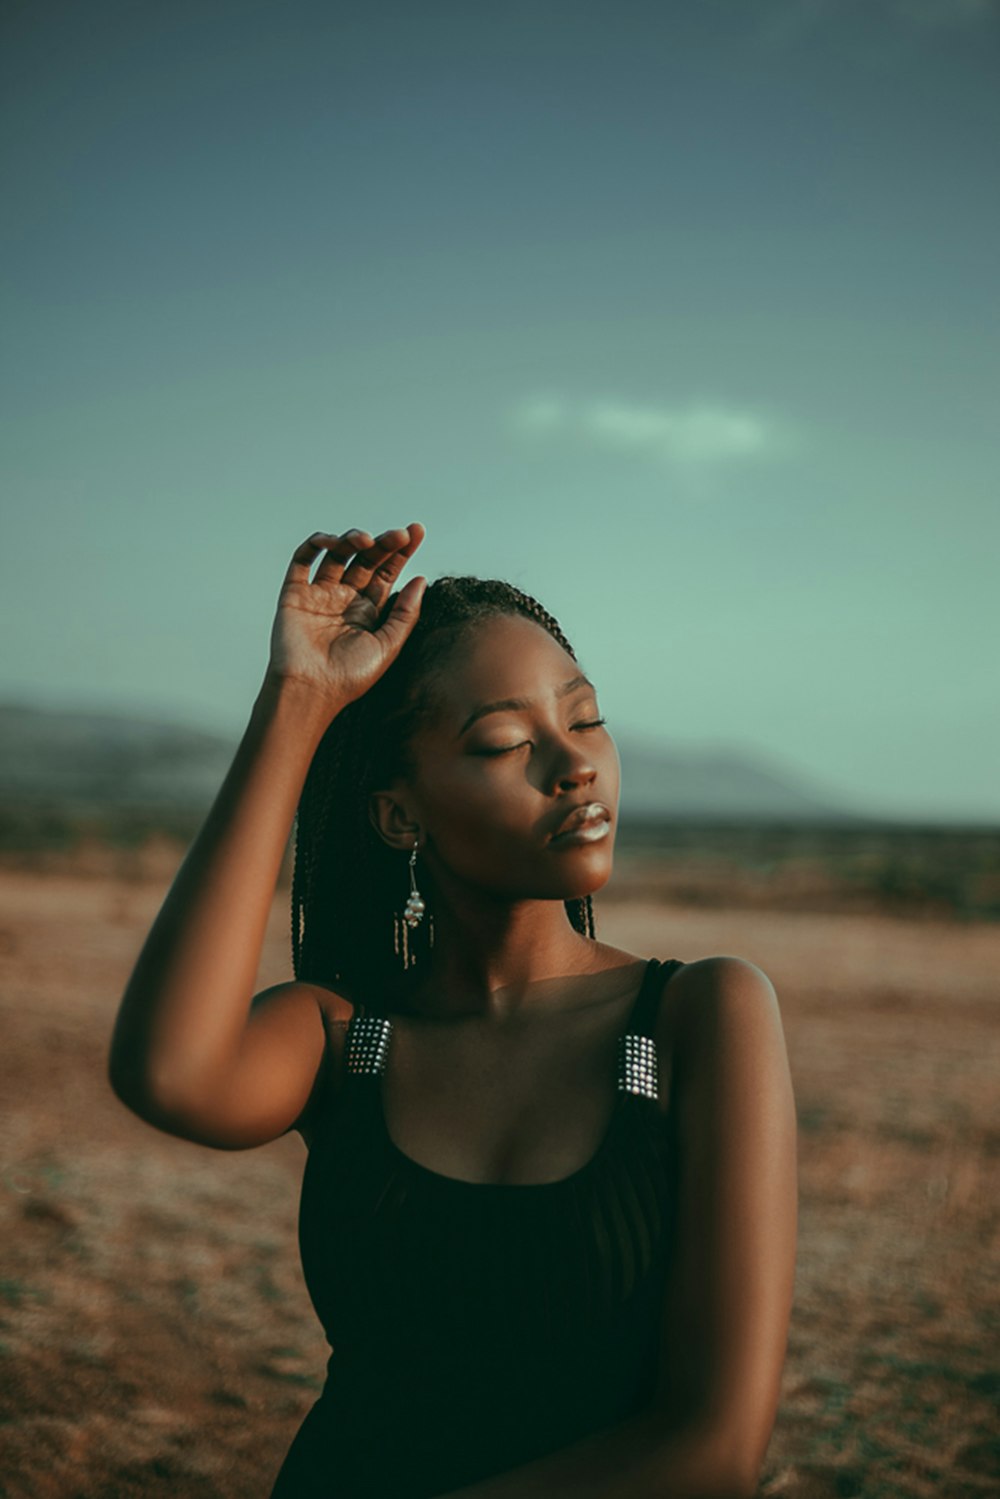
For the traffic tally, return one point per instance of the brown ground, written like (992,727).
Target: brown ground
(155,1334)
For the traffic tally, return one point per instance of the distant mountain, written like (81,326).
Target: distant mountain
(85,759)
(662,781)
(72,756)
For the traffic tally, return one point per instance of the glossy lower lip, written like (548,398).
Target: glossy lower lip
(590,832)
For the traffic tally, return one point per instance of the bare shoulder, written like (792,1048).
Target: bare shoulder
(279,1004)
(724,979)
(727,1043)
(710,996)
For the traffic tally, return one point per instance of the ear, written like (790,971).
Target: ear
(392,820)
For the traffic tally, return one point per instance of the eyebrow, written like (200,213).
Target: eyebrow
(521,702)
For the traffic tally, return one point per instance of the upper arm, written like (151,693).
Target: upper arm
(279,1069)
(731,1275)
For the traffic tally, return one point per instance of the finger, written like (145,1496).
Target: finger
(375,570)
(371,560)
(402,617)
(339,551)
(305,555)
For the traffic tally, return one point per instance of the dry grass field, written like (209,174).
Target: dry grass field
(155,1335)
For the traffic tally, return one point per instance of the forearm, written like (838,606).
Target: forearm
(635,1459)
(186,1004)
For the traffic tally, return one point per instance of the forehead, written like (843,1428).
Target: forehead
(505,656)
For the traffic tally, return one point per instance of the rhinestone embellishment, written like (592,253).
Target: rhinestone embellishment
(368,1036)
(638,1070)
(367,1042)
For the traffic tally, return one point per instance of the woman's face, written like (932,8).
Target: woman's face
(514,747)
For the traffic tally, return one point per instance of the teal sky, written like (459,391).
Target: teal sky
(682,317)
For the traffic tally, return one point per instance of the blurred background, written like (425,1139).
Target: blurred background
(684,318)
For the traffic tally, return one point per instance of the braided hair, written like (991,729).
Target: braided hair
(347,883)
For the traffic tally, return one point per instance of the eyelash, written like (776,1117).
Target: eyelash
(594,723)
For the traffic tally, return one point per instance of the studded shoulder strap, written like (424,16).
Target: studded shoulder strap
(368,1037)
(638,1062)
(367,1043)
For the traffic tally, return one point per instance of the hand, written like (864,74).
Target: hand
(324,633)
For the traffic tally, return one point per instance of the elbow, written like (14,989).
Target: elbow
(141,1092)
(121,1077)
(744,1473)
(737,1461)
(734,1483)
(124,1070)
(719,1483)
(744,1485)
(703,1460)
(127,1077)
(742,1461)
(727,1481)
(129,1089)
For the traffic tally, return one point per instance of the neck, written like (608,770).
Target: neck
(491,959)
(488,955)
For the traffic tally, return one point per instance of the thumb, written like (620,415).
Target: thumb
(402,617)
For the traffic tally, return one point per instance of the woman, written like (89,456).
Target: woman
(548,1214)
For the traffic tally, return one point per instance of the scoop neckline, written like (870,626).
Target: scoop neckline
(617,1110)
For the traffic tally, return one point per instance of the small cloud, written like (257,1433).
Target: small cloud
(697,435)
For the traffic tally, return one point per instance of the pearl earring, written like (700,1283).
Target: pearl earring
(413,914)
(415,908)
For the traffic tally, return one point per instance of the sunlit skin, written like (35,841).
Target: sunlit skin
(484,804)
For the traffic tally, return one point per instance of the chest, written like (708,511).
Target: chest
(528,1106)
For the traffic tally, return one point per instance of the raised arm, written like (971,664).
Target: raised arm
(192,1052)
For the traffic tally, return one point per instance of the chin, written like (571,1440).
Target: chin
(588,883)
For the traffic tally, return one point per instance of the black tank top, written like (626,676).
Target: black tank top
(475,1326)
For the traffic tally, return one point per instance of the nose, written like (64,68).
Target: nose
(579,771)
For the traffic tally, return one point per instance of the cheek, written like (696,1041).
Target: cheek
(479,809)
(612,767)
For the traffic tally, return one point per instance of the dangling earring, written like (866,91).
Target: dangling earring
(412,915)
(415,908)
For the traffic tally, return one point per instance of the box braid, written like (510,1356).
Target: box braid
(347,884)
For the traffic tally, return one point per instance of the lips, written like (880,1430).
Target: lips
(582,816)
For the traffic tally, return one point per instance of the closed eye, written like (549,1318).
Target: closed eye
(595,723)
